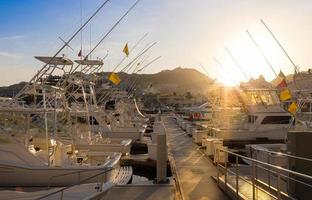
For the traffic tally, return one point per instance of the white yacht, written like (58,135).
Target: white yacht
(260,120)
(19,167)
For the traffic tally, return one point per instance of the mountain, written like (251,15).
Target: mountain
(9,91)
(179,80)
(257,83)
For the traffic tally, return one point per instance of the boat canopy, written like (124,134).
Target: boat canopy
(89,62)
(55,60)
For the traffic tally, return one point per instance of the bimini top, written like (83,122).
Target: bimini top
(55,60)
(89,62)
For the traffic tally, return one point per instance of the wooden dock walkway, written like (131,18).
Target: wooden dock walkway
(193,169)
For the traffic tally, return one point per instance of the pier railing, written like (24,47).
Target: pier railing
(259,180)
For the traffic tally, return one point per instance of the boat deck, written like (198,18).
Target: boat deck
(193,169)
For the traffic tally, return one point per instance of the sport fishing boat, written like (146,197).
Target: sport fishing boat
(260,120)
(19,167)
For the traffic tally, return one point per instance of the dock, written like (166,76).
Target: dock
(193,170)
(147,192)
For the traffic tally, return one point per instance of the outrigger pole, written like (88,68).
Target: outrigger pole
(39,74)
(110,30)
(261,52)
(280,45)
(236,63)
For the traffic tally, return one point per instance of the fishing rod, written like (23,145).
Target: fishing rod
(236,63)
(108,94)
(235,89)
(131,80)
(129,64)
(223,69)
(280,45)
(205,70)
(134,47)
(43,70)
(139,55)
(124,58)
(141,69)
(261,52)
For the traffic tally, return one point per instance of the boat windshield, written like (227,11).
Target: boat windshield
(262,97)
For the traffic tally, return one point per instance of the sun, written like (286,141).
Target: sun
(251,63)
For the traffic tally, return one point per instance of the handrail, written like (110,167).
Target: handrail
(72,185)
(276,171)
(284,154)
(267,164)
(247,181)
(288,177)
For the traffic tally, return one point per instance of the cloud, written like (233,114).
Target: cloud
(10,55)
(12,38)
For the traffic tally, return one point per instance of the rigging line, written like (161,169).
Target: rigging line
(280,45)
(36,76)
(261,52)
(237,64)
(144,67)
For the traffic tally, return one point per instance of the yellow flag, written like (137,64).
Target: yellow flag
(293,108)
(126,49)
(114,78)
(285,95)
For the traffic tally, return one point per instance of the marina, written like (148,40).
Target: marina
(111,112)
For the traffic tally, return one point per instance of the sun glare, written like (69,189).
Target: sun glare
(251,62)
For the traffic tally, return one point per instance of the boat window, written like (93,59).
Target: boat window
(276,120)
(252,118)
(93,121)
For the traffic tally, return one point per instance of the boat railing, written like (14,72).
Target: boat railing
(259,179)
(62,190)
(269,152)
(78,172)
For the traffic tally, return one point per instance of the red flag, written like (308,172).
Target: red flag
(282,84)
(80,53)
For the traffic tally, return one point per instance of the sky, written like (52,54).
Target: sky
(188,34)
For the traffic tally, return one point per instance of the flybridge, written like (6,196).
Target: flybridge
(54,60)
